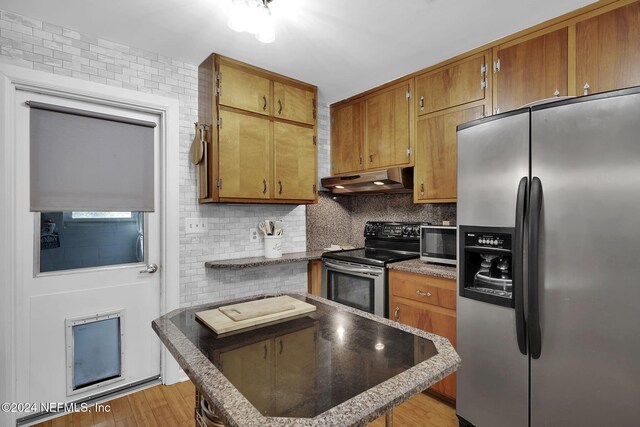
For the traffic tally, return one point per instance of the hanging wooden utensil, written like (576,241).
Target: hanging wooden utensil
(197,146)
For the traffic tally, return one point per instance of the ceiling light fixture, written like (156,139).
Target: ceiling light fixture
(252,16)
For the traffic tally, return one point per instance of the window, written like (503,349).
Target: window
(100,215)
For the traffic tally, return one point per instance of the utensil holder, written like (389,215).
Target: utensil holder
(273,246)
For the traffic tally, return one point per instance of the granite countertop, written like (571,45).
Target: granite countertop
(427,268)
(362,365)
(261,261)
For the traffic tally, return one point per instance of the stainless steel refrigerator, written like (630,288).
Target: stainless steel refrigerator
(549,265)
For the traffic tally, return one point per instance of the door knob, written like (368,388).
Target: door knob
(151,268)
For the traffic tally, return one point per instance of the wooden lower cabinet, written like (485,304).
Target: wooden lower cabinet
(275,374)
(427,303)
(250,369)
(314,277)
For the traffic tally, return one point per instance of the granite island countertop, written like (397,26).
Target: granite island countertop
(426,268)
(239,263)
(361,365)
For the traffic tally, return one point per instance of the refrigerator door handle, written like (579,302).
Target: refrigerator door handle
(518,267)
(533,321)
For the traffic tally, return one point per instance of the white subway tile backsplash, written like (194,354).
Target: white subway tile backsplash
(51,48)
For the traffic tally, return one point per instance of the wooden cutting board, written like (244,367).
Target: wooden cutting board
(244,315)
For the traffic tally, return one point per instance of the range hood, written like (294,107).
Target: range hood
(392,180)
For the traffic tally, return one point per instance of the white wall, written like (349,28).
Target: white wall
(47,47)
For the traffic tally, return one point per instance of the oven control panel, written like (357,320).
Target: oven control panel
(393,230)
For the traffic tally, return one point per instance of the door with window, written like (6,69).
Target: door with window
(90,241)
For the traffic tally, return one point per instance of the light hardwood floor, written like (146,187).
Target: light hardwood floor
(169,406)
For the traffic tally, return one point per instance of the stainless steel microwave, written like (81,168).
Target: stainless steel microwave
(438,244)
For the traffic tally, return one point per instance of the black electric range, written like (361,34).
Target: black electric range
(358,277)
(385,242)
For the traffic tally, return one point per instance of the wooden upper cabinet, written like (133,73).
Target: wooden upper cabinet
(244,156)
(461,83)
(436,155)
(236,102)
(531,70)
(347,138)
(295,162)
(387,127)
(244,90)
(293,103)
(608,50)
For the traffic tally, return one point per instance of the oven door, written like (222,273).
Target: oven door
(356,285)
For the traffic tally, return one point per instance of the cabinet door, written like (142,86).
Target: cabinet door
(461,83)
(436,155)
(440,321)
(532,70)
(244,90)
(387,127)
(250,369)
(244,160)
(347,138)
(295,378)
(295,162)
(608,50)
(294,103)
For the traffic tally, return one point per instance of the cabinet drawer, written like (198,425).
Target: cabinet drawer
(424,289)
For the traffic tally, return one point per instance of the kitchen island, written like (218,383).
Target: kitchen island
(333,366)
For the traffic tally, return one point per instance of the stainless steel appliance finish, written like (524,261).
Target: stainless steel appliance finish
(392,180)
(356,285)
(579,267)
(492,158)
(358,277)
(438,244)
(587,157)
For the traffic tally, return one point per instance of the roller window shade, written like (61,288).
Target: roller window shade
(87,161)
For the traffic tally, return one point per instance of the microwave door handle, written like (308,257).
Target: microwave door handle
(518,267)
(533,321)
(344,269)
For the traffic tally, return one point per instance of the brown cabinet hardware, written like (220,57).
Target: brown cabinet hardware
(370,157)
(264,188)
(265,352)
(422,103)
(264,107)
(279,107)
(281,346)
(280,184)
(396,313)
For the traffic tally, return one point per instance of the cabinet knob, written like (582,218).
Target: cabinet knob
(264,107)
(586,89)
(280,185)
(361,159)
(556,93)
(423,294)
(264,186)
(396,313)
(279,107)
(370,157)
(422,188)
(422,103)
(265,352)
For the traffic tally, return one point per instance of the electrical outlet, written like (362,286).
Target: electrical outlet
(253,235)
(196,225)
